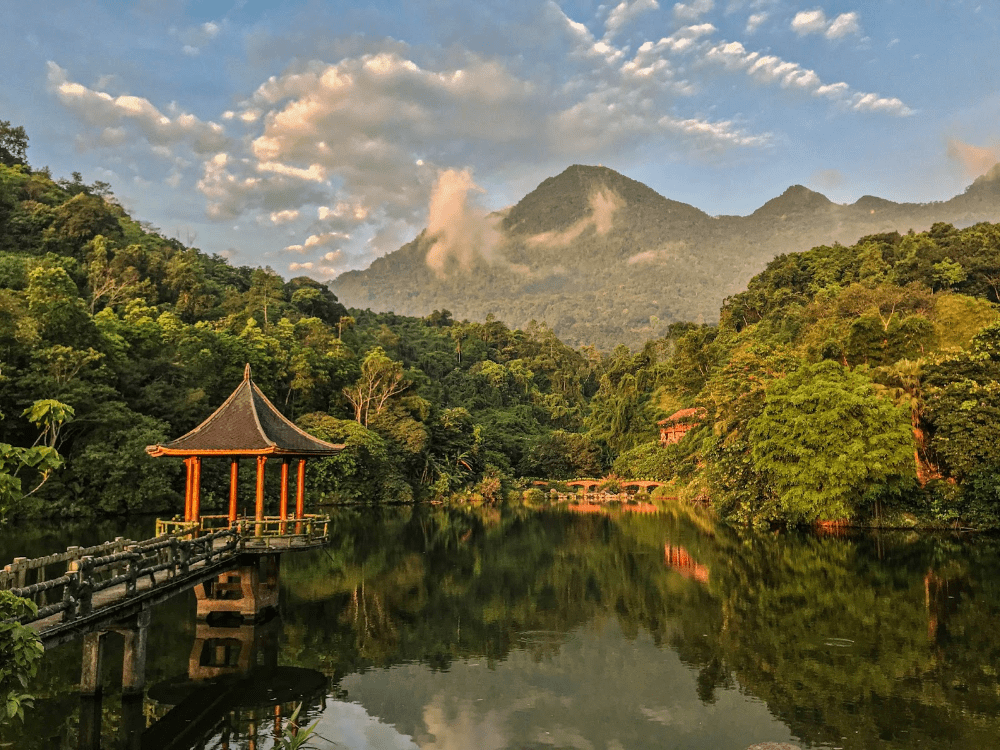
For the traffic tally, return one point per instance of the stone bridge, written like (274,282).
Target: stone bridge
(592,485)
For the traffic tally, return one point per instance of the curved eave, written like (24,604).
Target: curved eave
(158,450)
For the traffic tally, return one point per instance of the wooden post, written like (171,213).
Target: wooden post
(189,463)
(259,515)
(196,491)
(284,490)
(300,490)
(234,474)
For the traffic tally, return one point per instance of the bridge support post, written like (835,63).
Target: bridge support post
(93,658)
(133,722)
(90,722)
(134,655)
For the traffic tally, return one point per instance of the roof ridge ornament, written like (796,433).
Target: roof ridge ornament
(246,372)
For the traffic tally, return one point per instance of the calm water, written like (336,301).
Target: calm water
(450,629)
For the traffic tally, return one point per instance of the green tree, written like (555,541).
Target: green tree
(381,379)
(40,461)
(13,144)
(826,443)
(20,652)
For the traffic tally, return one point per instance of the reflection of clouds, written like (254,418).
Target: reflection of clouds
(350,726)
(596,689)
(458,727)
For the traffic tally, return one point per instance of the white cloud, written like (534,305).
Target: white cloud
(816,22)
(625,12)
(196,37)
(461,231)
(232,187)
(754,22)
(843,25)
(809,22)
(284,217)
(772,69)
(714,134)
(585,44)
(316,242)
(132,117)
(356,150)
(693,10)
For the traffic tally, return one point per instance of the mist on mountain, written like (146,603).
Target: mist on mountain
(604,259)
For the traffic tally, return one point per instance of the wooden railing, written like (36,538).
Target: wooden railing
(90,574)
(278,533)
(24,571)
(270,532)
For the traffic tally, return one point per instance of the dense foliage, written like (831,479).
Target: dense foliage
(846,383)
(20,652)
(132,338)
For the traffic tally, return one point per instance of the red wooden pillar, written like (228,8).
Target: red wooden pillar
(284,489)
(196,491)
(261,460)
(234,475)
(300,490)
(189,465)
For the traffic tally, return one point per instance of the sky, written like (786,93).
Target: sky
(312,137)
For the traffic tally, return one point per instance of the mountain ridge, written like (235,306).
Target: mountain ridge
(605,259)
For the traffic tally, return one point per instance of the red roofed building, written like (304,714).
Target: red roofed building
(679,424)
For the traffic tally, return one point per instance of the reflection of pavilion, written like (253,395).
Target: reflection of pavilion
(234,690)
(248,425)
(678,558)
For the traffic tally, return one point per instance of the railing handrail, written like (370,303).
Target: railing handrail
(177,546)
(140,559)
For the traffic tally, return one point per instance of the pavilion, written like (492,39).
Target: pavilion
(246,425)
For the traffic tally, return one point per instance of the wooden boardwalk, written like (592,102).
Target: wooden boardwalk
(96,592)
(83,590)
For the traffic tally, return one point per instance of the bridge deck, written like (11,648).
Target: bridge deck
(106,585)
(116,604)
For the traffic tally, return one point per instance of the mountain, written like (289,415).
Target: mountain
(604,259)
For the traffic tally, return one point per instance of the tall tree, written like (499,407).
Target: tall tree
(825,440)
(381,379)
(13,144)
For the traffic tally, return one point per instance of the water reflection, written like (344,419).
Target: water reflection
(433,628)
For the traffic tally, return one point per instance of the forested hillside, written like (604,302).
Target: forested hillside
(852,382)
(605,260)
(845,383)
(113,337)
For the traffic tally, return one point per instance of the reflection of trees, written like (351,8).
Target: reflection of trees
(832,633)
(835,639)
(857,641)
(434,585)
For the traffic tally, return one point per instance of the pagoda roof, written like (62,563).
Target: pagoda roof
(685,416)
(247,424)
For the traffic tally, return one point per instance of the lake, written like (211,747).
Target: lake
(451,628)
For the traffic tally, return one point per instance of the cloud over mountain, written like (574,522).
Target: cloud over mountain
(354,140)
